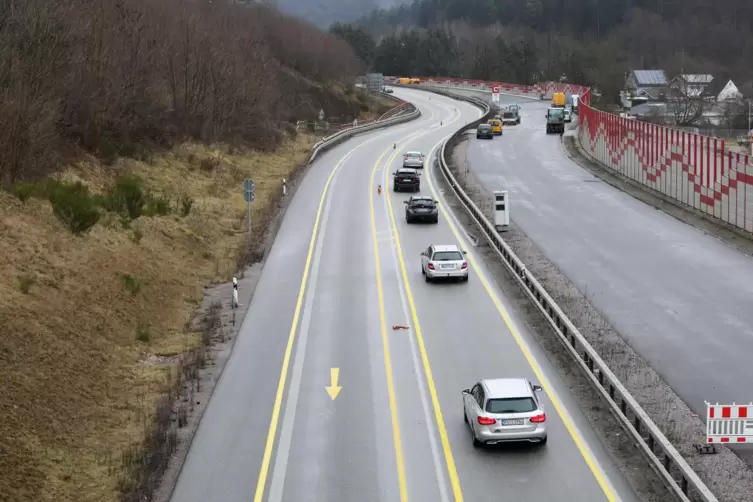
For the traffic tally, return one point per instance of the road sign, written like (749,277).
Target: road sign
(495,98)
(495,89)
(729,424)
(249,185)
(249,196)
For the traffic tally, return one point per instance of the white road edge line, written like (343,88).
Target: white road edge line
(505,303)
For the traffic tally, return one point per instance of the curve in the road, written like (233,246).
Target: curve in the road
(399,407)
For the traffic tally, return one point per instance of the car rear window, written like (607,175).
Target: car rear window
(413,155)
(510,405)
(422,203)
(447,256)
(406,174)
(484,127)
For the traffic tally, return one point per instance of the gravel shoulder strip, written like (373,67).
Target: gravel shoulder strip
(726,475)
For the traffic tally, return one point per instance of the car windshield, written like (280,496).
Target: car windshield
(447,256)
(511,405)
(508,115)
(556,113)
(484,127)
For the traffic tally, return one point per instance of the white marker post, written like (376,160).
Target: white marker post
(235,293)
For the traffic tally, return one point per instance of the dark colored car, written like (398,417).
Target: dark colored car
(421,208)
(406,179)
(484,131)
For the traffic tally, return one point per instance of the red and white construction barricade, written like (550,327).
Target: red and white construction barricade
(729,423)
(495,93)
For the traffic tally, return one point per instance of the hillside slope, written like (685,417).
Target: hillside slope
(129,127)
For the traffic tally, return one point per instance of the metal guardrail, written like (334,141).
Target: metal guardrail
(671,467)
(340,136)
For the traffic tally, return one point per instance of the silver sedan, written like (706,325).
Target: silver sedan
(444,262)
(414,160)
(504,410)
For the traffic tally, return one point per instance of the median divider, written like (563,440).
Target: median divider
(668,463)
(404,112)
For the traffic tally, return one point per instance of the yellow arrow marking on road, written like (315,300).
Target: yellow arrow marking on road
(333,390)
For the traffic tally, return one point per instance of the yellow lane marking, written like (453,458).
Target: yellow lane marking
(264,469)
(396,437)
(596,470)
(449,459)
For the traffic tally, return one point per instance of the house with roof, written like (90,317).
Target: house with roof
(729,92)
(691,85)
(648,84)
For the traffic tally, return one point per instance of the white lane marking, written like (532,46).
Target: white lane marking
(504,301)
(286,432)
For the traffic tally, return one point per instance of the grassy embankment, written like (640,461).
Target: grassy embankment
(84,317)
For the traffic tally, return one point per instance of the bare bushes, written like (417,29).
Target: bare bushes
(118,77)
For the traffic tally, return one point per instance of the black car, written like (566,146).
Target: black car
(484,131)
(406,179)
(421,208)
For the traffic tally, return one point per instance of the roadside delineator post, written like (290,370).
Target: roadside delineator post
(235,293)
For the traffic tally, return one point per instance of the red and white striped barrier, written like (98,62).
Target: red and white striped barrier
(695,170)
(732,423)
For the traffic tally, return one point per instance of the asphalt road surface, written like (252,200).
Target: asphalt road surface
(681,298)
(395,430)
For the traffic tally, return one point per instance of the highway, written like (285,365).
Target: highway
(681,298)
(342,272)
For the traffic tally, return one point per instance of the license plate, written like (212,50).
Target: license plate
(512,421)
(447,266)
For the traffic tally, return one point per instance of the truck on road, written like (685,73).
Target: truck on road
(558,100)
(555,120)
(511,115)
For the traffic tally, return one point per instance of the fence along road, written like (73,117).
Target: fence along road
(345,449)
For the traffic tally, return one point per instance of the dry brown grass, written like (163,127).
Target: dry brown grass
(76,392)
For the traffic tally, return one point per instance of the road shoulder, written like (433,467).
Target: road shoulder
(669,412)
(221,322)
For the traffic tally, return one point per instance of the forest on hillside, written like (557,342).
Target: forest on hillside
(120,77)
(586,41)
